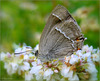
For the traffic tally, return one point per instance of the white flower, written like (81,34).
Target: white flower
(39,61)
(20,65)
(87,48)
(94,50)
(79,53)
(8,55)
(87,56)
(23,49)
(18,50)
(7,66)
(36,47)
(14,67)
(39,76)
(74,59)
(93,77)
(64,71)
(11,67)
(70,74)
(96,57)
(34,63)
(56,71)
(93,71)
(35,69)
(91,48)
(25,66)
(26,57)
(2,57)
(31,55)
(91,68)
(74,78)
(47,74)
(28,76)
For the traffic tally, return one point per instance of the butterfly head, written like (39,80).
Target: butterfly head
(36,53)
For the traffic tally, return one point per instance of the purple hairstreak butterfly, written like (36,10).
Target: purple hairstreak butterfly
(61,36)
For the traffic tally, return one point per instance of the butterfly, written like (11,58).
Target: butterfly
(61,36)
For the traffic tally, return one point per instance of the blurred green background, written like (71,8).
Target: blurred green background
(23,21)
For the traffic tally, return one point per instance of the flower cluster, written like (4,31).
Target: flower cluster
(79,66)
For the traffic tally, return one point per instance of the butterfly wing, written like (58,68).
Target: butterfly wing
(56,16)
(59,35)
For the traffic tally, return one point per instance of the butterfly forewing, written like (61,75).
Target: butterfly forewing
(58,14)
(59,35)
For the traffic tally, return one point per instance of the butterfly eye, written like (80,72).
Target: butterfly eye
(81,39)
(36,53)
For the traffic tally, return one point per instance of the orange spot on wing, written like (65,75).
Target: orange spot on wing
(77,40)
(78,48)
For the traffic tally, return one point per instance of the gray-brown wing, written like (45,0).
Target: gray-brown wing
(60,39)
(58,14)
